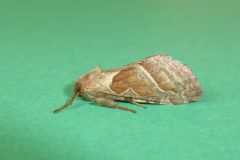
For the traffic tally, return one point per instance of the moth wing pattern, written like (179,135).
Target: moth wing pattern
(157,79)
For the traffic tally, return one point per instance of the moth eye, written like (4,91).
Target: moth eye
(77,88)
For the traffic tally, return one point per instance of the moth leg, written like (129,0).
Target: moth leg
(139,105)
(112,104)
(130,100)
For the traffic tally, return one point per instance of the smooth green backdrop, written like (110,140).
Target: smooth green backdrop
(46,45)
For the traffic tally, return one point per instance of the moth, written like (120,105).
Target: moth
(157,80)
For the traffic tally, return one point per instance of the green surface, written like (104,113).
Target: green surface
(46,45)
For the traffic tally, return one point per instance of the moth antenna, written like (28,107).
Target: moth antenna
(74,97)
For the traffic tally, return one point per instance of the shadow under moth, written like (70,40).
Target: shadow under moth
(157,80)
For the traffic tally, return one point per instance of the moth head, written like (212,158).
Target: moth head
(85,81)
(80,87)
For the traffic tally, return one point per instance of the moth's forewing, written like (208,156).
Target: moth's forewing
(156,79)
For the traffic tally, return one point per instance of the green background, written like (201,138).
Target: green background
(46,45)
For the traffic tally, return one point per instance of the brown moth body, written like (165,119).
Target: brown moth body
(157,79)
